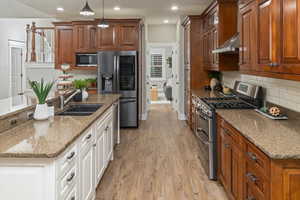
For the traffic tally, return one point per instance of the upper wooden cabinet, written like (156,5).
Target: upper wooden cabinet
(219,23)
(107,38)
(275,32)
(85,37)
(64,53)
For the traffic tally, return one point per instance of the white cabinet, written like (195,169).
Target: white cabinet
(73,175)
(87,188)
(100,162)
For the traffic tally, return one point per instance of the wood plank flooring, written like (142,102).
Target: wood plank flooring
(158,161)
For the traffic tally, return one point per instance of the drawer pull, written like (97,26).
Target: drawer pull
(73,198)
(71,177)
(71,156)
(250,198)
(227,145)
(106,129)
(252,177)
(88,137)
(252,156)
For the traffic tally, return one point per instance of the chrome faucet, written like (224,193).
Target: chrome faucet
(63,102)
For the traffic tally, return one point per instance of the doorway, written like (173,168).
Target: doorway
(17,83)
(162,74)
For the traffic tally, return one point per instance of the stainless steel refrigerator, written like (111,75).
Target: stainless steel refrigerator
(118,73)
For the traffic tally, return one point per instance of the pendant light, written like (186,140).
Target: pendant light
(103,24)
(86,10)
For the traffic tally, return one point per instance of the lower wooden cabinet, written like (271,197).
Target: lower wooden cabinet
(249,174)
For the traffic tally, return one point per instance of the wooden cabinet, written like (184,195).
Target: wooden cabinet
(107,38)
(230,164)
(217,30)
(128,36)
(275,28)
(247,19)
(195,76)
(85,38)
(64,53)
(247,173)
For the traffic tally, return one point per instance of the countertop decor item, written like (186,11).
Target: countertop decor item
(214,79)
(41,90)
(81,85)
(276,115)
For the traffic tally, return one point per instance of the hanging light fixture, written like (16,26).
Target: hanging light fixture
(103,23)
(86,10)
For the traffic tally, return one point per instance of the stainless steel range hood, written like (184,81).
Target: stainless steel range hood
(230,46)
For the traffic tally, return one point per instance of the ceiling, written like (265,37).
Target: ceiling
(153,11)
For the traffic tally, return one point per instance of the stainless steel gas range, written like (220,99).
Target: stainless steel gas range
(245,96)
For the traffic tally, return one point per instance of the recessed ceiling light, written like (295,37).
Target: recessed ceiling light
(166,21)
(60,9)
(174,8)
(117,8)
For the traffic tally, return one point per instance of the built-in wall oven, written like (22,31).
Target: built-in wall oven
(206,137)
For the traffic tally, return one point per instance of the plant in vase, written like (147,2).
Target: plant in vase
(41,90)
(81,85)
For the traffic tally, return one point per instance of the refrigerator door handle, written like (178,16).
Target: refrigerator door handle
(117,63)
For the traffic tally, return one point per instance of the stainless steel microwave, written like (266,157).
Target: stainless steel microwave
(86,60)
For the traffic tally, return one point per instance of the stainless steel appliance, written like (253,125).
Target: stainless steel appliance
(118,73)
(86,60)
(246,96)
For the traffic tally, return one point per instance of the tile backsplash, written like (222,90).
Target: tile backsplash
(281,92)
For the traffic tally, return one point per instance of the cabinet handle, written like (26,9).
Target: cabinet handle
(94,145)
(252,156)
(71,177)
(252,177)
(106,129)
(71,156)
(250,198)
(73,198)
(227,145)
(88,137)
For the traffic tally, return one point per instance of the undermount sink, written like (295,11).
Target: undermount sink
(80,110)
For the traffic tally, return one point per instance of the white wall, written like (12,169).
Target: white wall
(281,92)
(12,29)
(161,33)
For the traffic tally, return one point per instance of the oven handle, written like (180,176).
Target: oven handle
(200,130)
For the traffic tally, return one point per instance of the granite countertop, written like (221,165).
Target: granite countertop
(47,139)
(279,139)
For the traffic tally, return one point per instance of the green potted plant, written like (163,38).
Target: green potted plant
(81,85)
(41,90)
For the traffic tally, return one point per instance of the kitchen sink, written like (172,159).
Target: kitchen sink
(80,110)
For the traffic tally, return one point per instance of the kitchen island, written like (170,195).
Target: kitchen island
(62,158)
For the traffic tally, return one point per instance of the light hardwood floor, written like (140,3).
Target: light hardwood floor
(158,161)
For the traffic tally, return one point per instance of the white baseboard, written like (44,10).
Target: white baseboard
(181,116)
(144,116)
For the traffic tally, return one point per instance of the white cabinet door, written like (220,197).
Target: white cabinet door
(87,173)
(109,140)
(100,161)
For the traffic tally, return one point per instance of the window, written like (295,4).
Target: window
(156,66)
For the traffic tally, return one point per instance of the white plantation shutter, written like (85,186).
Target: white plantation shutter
(156,65)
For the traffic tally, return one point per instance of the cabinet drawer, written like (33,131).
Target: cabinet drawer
(68,182)
(257,180)
(230,131)
(251,193)
(87,139)
(67,161)
(257,158)
(72,195)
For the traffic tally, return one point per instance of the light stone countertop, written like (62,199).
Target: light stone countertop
(279,139)
(47,139)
